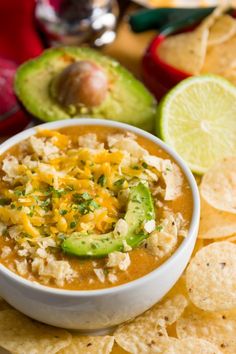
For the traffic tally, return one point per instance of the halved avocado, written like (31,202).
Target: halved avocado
(127,99)
(139,210)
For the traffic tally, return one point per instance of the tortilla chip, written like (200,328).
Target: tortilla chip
(210,20)
(223,29)
(162,345)
(218,186)
(211,277)
(215,223)
(230,73)
(185,51)
(220,59)
(89,345)
(140,337)
(218,328)
(191,345)
(146,331)
(222,39)
(21,335)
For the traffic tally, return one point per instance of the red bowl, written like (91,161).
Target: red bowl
(159,76)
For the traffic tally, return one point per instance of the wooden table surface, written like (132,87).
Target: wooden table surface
(128,47)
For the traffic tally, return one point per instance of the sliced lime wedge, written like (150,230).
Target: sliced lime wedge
(198,119)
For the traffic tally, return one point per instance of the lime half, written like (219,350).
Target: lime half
(198,119)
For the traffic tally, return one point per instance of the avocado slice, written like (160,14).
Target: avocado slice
(127,99)
(139,210)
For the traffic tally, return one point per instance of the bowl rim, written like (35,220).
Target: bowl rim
(192,234)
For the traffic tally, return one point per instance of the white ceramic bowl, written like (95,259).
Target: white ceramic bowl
(99,309)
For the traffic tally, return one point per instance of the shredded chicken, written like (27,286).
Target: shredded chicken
(121,228)
(59,271)
(164,240)
(44,149)
(119,260)
(100,274)
(90,141)
(149,226)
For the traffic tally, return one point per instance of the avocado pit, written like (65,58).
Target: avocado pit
(82,83)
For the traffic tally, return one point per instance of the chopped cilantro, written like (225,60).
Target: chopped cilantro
(47,192)
(73,224)
(69,188)
(31,213)
(36,198)
(5,201)
(83,162)
(61,237)
(63,212)
(145,165)
(102,180)
(85,196)
(13,206)
(106,271)
(46,204)
(79,198)
(135,167)
(46,234)
(85,203)
(159,227)
(18,192)
(88,206)
(19,207)
(5,232)
(119,182)
(57,193)
(25,234)
(93,205)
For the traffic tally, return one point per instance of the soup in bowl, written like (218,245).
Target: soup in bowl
(98,220)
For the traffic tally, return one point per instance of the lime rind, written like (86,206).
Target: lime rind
(198,119)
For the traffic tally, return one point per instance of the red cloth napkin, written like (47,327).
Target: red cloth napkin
(19,39)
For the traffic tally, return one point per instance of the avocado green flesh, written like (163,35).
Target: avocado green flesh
(139,210)
(127,101)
